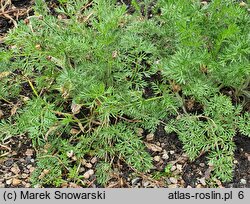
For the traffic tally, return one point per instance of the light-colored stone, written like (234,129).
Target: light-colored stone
(91,172)
(93,160)
(179,167)
(32,169)
(145,184)
(29,152)
(150,137)
(157,158)
(165,156)
(135,180)
(140,131)
(16,182)
(242,4)
(171,152)
(173,186)
(27,185)
(24,176)
(203,181)
(243,181)
(82,169)
(83,161)
(173,180)
(199,186)
(15,169)
(29,166)
(204,3)
(173,168)
(88,173)
(88,165)
(9,181)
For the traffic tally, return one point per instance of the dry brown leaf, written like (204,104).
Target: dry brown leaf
(153,147)
(13,110)
(29,152)
(150,137)
(74,131)
(75,108)
(242,4)
(16,182)
(4,74)
(1,114)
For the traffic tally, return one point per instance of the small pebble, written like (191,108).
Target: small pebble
(27,185)
(179,167)
(173,180)
(29,152)
(199,186)
(243,181)
(157,158)
(171,152)
(88,165)
(29,166)
(204,3)
(84,161)
(202,181)
(16,182)
(32,169)
(82,169)
(135,180)
(64,185)
(22,160)
(93,160)
(145,184)
(173,186)
(139,131)
(88,173)
(201,164)
(74,158)
(165,156)
(24,176)
(150,137)
(242,4)
(15,169)
(173,168)
(247,156)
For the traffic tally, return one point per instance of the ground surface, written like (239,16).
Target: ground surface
(18,158)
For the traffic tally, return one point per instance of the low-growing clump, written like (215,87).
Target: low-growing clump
(96,74)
